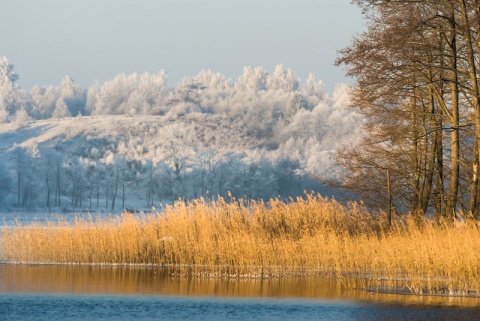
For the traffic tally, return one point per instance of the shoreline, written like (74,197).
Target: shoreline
(314,236)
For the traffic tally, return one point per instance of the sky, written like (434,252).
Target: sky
(94,40)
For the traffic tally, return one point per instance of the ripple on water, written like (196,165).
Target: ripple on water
(121,307)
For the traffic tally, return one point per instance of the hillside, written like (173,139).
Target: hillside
(135,142)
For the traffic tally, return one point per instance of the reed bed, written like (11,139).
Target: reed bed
(307,236)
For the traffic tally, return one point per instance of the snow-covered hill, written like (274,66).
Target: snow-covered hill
(140,143)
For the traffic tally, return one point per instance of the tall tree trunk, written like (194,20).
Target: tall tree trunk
(58,187)
(19,186)
(48,190)
(114,193)
(415,156)
(472,72)
(74,188)
(430,154)
(97,188)
(123,189)
(455,120)
(106,189)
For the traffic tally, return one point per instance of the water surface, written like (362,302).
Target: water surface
(52,292)
(26,218)
(94,307)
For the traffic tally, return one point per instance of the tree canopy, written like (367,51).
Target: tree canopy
(416,71)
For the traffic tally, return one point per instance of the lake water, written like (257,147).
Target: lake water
(25,218)
(41,292)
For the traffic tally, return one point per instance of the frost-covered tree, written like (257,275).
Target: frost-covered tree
(93,99)
(26,167)
(205,163)
(74,96)
(149,182)
(61,109)
(178,147)
(313,90)
(128,94)
(20,118)
(3,115)
(120,180)
(252,80)
(216,91)
(5,183)
(11,96)
(283,80)
(148,93)
(48,159)
(75,175)
(43,101)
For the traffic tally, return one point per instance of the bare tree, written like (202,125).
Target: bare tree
(417,84)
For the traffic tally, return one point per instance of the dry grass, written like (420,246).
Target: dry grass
(309,236)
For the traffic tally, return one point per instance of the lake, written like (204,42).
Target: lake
(53,292)
(25,218)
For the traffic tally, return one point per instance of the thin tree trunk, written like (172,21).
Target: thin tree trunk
(472,72)
(48,190)
(430,156)
(455,135)
(114,194)
(123,189)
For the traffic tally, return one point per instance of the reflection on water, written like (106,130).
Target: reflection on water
(109,280)
(51,293)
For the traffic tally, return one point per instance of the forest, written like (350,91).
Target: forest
(134,142)
(417,73)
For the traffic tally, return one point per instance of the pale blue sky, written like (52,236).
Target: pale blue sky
(97,39)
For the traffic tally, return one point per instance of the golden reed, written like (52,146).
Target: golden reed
(311,235)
